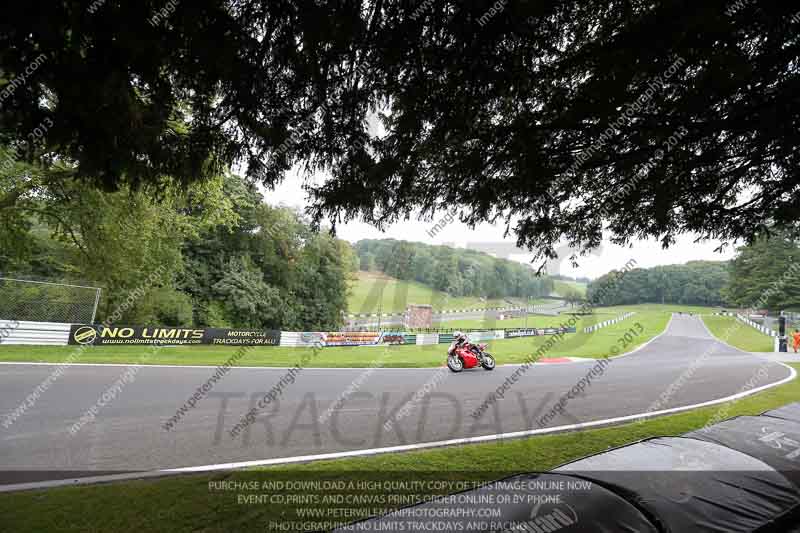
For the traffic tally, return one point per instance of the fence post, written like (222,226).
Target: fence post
(96,303)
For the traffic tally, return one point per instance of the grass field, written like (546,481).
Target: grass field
(738,334)
(532,321)
(560,286)
(596,344)
(186,504)
(374,291)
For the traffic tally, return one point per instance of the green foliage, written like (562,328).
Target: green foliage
(572,295)
(695,283)
(247,299)
(209,254)
(765,274)
(269,271)
(458,272)
(732,331)
(163,306)
(565,119)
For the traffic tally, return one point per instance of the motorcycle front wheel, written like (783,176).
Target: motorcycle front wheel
(455,364)
(488,362)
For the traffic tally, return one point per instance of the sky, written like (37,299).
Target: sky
(489,238)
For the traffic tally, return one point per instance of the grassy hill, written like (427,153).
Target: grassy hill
(562,285)
(374,291)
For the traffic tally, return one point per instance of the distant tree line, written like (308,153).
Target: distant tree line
(764,275)
(456,271)
(695,283)
(562,277)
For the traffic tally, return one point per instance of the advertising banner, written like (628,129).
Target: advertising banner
(477,336)
(351,338)
(532,332)
(397,337)
(427,338)
(105,335)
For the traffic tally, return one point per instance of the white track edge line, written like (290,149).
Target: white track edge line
(389,449)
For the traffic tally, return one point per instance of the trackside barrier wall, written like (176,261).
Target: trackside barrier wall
(53,333)
(610,322)
(45,333)
(763,329)
(439,312)
(427,338)
(740,475)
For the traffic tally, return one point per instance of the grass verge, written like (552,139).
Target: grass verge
(601,343)
(372,292)
(188,504)
(729,330)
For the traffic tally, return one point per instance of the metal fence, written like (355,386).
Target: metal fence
(792,322)
(44,301)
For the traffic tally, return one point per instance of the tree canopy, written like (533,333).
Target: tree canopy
(766,274)
(212,255)
(558,117)
(695,283)
(456,271)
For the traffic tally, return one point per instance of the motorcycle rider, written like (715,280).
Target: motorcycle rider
(459,340)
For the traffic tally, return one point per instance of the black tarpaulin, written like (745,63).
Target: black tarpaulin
(537,503)
(788,412)
(775,441)
(691,485)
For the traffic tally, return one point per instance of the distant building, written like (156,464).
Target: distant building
(419,316)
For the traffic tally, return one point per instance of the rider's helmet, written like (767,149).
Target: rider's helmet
(459,336)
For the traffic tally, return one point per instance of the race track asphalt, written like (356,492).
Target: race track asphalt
(684,366)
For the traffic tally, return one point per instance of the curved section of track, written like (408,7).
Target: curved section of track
(374,410)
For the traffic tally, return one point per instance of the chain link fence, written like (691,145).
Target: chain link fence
(42,301)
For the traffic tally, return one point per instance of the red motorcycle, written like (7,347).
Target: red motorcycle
(470,356)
